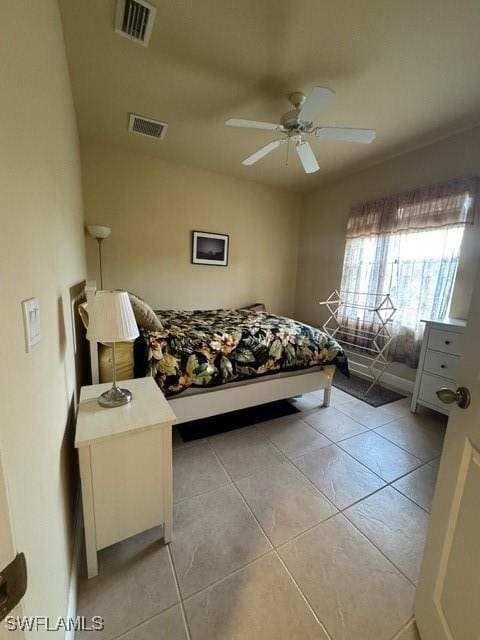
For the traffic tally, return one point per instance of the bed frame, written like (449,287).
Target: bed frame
(230,397)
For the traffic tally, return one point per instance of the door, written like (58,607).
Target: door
(7,544)
(447,603)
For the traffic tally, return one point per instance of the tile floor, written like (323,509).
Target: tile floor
(307,527)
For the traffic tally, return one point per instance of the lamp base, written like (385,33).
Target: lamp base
(114,397)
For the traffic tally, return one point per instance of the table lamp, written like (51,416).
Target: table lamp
(111,320)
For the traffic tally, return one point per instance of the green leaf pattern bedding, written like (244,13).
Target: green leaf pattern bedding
(210,348)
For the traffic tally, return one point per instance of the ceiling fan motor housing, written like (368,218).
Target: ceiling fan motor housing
(291,122)
(290,119)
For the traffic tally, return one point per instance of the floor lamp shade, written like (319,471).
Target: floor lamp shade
(98,231)
(111,320)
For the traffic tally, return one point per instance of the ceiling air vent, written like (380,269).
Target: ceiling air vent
(134,20)
(147,127)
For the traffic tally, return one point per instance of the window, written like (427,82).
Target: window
(408,246)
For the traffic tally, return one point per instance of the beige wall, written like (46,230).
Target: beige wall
(322,238)
(41,255)
(152,207)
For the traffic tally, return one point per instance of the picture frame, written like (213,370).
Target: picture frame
(210,248)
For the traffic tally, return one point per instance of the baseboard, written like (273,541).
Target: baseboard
(75,565)
(388,379)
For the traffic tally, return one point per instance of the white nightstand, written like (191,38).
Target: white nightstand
(125,458)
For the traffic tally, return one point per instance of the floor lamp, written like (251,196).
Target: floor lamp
(99,233)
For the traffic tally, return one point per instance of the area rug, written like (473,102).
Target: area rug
(357,387)
(235,420)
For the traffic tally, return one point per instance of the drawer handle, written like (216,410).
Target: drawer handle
(443,366)
(447,341)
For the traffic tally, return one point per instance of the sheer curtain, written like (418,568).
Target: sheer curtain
(407,245)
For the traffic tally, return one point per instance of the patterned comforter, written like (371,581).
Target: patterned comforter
(210,348)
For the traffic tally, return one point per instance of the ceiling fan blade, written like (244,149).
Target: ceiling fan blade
(253,124)
(343,134)
(318,99)
(258,155)
(307,157)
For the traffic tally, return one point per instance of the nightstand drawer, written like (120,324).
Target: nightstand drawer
(441,364)
(446,341)
(428,388)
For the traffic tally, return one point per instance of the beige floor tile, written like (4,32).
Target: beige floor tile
(424,413)
(196,470)
(177,440)
(259,602)
(409,633)
(293,436)
(334,424)
(354,590)
(308,401)
(381,456)
(245,452)
(338,396)
(138,572)
(168,625)
(284,502)
(399,408)
(419,485)
(214,534)
(421,436)
(370,417)
(395,525)
(341,478)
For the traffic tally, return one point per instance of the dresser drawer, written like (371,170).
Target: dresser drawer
(446,341)
(428,386)
(442,364)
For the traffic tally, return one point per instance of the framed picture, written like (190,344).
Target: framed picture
(209,248)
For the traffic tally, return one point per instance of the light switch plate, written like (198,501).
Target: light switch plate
(31,322)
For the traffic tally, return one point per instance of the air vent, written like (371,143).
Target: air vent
(134,20)
(147,126)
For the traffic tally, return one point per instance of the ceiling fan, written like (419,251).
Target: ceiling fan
(298,123)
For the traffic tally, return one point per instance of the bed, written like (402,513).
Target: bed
(212,362)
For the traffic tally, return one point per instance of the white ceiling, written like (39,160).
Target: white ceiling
(409,69)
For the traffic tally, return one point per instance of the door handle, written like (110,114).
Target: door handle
(461,396)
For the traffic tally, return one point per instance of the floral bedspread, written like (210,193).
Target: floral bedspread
(210,348)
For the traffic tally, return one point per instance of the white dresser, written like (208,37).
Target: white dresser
(441,349)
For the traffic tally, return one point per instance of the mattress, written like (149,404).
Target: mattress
(205,349)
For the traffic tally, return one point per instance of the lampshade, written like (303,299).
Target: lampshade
(98,231)
(111,318)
